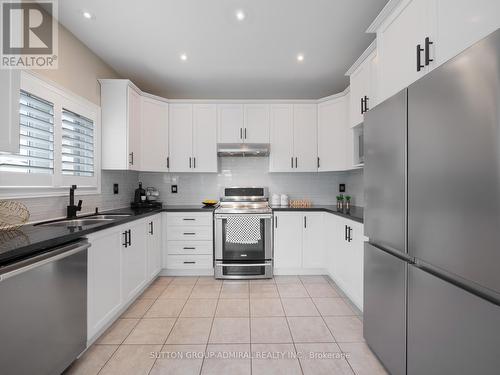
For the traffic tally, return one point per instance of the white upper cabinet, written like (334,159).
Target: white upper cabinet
(10,85)
(154,135)
(181,137)
(362,76)
(333,127)
(305,137)
(398,38)
(204,138)
(256,123)
(230,123)
(281,156)
(461,23)
(294,140)
(243,123)
(192,137)
(121,124)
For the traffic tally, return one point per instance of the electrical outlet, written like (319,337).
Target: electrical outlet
(173,189)
(115,188)
(341,188)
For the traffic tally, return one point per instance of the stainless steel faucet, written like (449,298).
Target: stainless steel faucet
(71,210)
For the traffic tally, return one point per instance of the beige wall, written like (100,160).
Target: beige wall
(78,68)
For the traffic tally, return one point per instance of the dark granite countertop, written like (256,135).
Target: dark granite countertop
(188,208)
(355,213)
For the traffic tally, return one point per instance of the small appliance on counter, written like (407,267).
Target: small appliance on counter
(284,200)
(146,199)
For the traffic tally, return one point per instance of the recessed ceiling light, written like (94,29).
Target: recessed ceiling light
(240,15)
(87,15)
(183,57)
(300,57)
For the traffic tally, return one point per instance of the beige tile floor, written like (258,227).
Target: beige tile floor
(198,325)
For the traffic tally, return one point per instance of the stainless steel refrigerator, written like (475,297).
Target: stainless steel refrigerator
(432,216)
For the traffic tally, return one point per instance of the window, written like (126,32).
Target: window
(59,143)
(36,151)
(77,144)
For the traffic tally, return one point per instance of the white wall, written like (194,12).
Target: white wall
(321,188)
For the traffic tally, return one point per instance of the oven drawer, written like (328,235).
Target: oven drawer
(190,247)
(189,233)
(189,261)
(189,219)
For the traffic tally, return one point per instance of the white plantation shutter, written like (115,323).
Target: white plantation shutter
(36,152)
(77,145)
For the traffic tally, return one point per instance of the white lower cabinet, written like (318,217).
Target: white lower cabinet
(121,262)
(298,241)
(320,242)
(189,242)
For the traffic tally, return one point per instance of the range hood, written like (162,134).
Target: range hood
(243,149)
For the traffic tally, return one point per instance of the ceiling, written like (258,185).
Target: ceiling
(227,59)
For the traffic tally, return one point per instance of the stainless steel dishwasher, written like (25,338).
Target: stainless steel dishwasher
(43,311)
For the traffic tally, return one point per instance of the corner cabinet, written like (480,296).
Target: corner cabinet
(294,142)
(193,137)
(333,135)
(154,135)
(121,105)
(10,86)
(298,241)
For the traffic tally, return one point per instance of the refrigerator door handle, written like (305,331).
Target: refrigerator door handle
(398,254)
(475,289)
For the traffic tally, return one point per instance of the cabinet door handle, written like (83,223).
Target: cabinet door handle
(189,162)
(295,162)
(245,133)
(276,221)
(428,43)
(366,104)
(189,248)
(189,233)
(125,234)
(419,62)
(318,161)
(189,262)
(168,161)
(291,161)
(349,237)
(241,133)
(345,232)
(131,158)
(305,221)
(194,162)
(188,219)
(362,106)
(151,230)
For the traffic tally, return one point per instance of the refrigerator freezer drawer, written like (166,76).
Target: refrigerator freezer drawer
(384,315)
(450,331)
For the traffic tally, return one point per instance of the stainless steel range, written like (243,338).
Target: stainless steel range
(244,234)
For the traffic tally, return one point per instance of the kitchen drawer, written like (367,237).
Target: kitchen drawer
(189,219)
(190,247)
(189,261)
(189,233)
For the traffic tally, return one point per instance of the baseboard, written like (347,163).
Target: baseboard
(192,272)
(353,299)
(299,271)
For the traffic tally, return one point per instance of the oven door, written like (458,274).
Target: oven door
(243,237)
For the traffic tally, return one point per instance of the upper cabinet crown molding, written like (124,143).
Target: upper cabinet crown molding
(367,52)
(383,15)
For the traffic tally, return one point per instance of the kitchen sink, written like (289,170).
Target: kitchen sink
(76,222)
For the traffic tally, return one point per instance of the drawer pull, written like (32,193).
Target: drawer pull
(191,262)
(189,233)
(189,219)
(189,248)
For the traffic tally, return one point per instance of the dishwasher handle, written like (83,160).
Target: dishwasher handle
(40,260)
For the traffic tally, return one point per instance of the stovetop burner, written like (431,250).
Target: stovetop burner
(244,200)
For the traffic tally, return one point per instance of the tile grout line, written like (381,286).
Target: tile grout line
(119,345)
(176,319)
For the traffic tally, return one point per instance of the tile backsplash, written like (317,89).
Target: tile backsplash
(320,188)
(52,207)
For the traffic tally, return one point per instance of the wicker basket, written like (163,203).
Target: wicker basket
(12,215)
